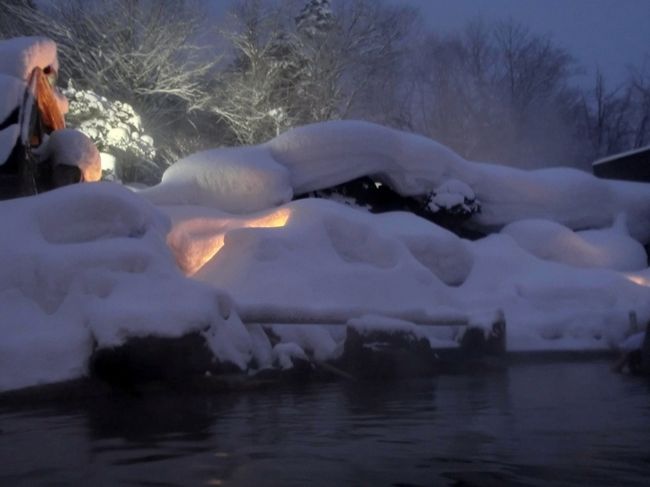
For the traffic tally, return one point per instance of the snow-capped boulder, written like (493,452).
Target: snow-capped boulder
(69,147)
(453,197)
(610,248)
(323,155)
(243,180)
(86,267)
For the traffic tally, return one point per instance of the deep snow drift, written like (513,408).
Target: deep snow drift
(322,155)
(90,266)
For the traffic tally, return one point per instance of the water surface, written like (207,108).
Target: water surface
(538,424)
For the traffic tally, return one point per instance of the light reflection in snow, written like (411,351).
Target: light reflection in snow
(195,242)
(636,279)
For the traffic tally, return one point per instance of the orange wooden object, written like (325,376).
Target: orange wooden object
(47,103)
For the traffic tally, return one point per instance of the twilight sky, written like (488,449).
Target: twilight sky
(611,34)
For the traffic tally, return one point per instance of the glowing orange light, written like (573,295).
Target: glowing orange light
(196,242)
(641,281)
(276,219)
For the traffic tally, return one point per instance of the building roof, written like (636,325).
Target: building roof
(622,155)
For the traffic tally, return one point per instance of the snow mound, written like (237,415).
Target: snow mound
(285,353)
(233,180)
(71,147)
(610,248)
(549,305)
(326,154)
(322,255)
(329,153)
(317,340)
(87,266)
(20,55)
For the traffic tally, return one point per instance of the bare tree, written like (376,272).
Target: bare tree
(497,92)
(286,72)
(618,119)
(140,51)
(10,26)
(641,96)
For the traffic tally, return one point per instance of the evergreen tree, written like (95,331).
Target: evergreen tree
(315,18)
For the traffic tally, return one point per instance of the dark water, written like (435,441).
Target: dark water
(560,424)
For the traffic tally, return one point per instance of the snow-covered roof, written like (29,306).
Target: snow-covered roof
(621,155)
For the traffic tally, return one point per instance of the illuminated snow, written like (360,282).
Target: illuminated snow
(96,263)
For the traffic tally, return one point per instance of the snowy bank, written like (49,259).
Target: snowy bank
(320,258)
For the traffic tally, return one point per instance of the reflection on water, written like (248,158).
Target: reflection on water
(566,424)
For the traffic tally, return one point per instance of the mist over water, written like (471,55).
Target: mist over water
(566,424)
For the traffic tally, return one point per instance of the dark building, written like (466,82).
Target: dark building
(633,165)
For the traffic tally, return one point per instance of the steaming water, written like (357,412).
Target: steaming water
(559,424)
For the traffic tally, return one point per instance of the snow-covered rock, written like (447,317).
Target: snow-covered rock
(548,305)
(285,353)
(326,154)
(87,266)
(91,265)
(70,147)
(610,248)
(242,180)
(453,196)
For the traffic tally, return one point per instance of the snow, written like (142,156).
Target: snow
(87,266)
(284,353)
(95,264)
(549,305)
(234,180)
(113,126)
(73,148)
(20,55)
(329,153)
(317,340)
(315,18)
(321,252)
(323,155)
(610,248)
(453,196)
